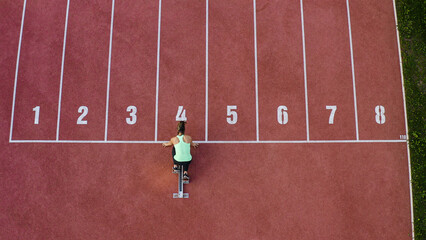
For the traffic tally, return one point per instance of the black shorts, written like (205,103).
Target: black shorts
(184,164)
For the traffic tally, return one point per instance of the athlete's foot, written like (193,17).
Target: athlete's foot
(175,167)
(185,176)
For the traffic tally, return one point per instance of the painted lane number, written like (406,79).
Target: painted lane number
(83,110)
(181,114)
(36,114)
(132,110)
(232,114)
(333,111)
(380,114)
(282,115)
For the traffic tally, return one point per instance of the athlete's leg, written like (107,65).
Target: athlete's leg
(185,169)
(175,167)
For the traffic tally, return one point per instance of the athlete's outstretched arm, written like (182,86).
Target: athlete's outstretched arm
(195,145)
(168,144)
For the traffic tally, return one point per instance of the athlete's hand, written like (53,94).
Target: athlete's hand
(195,145)
(165,144)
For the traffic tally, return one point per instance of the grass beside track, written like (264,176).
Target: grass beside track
(412,30)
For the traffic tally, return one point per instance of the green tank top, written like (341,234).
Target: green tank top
(183,151)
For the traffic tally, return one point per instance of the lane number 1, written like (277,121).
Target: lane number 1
(36,114)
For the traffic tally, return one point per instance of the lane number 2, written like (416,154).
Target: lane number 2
(232,114)
(132,119)
(36,114)
(282,115)
(380,114)
(83,110)
(181,114)
(333,111)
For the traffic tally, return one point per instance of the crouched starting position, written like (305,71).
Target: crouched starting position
(181,151)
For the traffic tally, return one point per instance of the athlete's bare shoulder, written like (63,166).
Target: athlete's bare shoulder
(174,140)
(187,138)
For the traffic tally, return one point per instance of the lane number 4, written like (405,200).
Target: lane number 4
(181,114)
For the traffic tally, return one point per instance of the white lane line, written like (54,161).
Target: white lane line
(304,70)
(256,72)
(158,70)
(62,72)
(109,70)
(353,70)
(207,71)
(406,122)
(16,70)
(205,142)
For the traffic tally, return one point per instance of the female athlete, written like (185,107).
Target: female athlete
(181,151)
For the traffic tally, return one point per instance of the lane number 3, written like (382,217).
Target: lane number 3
(132,110)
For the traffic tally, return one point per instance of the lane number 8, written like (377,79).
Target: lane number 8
(380,114)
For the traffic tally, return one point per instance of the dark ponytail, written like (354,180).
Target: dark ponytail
(181,127)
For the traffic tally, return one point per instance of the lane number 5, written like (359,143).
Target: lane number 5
(232,114)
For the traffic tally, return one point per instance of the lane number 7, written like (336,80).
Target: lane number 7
(333,111)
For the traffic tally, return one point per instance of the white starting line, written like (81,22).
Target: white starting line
(205,142)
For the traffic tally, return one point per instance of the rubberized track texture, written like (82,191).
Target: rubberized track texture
(298,107)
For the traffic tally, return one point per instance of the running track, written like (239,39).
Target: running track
(298,107)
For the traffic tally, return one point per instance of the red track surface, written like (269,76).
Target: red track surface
(306,190)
